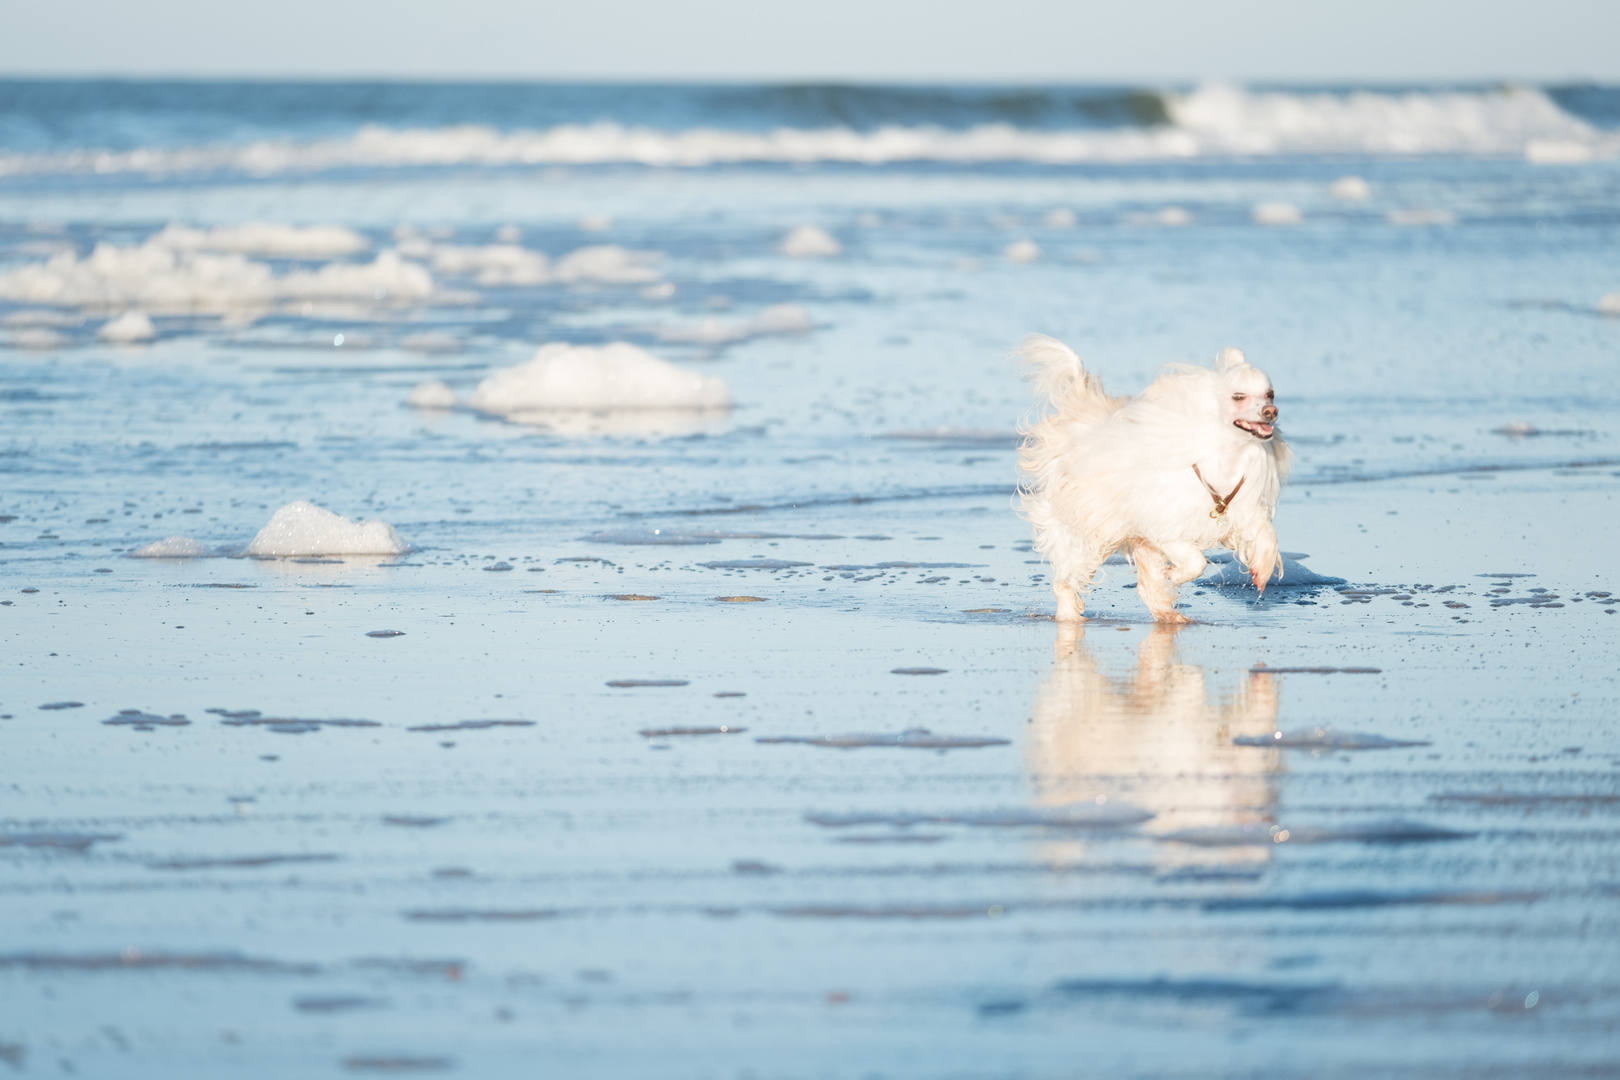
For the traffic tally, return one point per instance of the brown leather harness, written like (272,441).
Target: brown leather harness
(1221,504)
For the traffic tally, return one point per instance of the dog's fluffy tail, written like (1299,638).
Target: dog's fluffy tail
(1061,381)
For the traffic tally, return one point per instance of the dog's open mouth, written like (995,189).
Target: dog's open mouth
(1255,428)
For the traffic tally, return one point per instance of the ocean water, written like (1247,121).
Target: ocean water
(728,735)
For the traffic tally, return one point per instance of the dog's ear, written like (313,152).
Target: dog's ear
(1230,358)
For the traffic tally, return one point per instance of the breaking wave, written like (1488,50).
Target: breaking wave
(1213,120)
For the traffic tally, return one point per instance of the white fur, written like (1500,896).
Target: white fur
(1104,473)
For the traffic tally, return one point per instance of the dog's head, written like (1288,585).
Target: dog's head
(1247,400)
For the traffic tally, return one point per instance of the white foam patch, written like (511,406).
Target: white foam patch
(1421,217)
(1350,189)
(387,277)
(1022,251)
(1277,213)
(1565,151)
(809,242)
(173,547)
(130,327)
(264,238)
(776,319)
(302,528)
(157,277)
(1169,217)
(432,394)
(1059,219)
(581,377)
(609,264)
(1493,122)
(509,264)
(1214,120)
(1610,304)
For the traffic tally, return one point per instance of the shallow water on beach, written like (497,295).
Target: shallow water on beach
(741,743)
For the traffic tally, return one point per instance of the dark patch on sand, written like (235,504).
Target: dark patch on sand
(57,841)
(1525,799)
(472,725)
(137,960)
(1325,738)
(146,721)
(339,1003)
(1343,899)
(1261,669)
(396,1063)
(1086,815)
(478,915)
(243,862)
(282,725)
(1372,832)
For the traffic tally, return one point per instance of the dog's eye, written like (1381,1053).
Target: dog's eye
(1239,397)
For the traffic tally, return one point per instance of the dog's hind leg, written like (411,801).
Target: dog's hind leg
(1069,582)
(1154,584)
(1069,604)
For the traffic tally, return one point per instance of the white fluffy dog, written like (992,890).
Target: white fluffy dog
(1193,462)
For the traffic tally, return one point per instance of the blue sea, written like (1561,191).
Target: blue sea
(754,751)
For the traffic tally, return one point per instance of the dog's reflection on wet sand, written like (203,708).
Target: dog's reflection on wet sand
(1154,737)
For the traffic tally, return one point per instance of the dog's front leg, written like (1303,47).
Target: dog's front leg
(1259,552)
(1187,561)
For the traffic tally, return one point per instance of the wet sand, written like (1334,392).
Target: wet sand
(498,837)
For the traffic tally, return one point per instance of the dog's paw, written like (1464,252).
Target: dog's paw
(1172,618)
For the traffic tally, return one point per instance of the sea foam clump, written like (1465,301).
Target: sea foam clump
(432,394)
(581,377)
(1350,189)
(264,238)
(809,242)
(1277,213)
(157,277)
(173,547)
(1022,251)
(386,277)
(302,528)
(509,264)
(609,264)
(128,328)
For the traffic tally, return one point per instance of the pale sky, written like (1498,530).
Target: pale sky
(1011,41)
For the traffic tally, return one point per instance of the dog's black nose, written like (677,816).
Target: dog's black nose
(1269,413)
